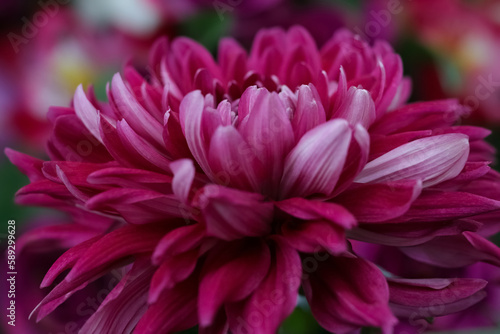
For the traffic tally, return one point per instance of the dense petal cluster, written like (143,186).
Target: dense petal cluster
(225,187)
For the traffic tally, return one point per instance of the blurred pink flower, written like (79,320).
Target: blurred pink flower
(46,69)
(234,182)
(468,39)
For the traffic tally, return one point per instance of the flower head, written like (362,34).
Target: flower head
(225,186)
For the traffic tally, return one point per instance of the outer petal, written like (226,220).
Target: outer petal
(433,160)
(348,293)
(174,311)
(87,113)
(442,206)
(178,241)
(314,236)
(455,251)
(312,210)
(315,164)
(131,110)
(380,201)
(231,273)
(425,298)
(125,304)
(274,299)
(231,214)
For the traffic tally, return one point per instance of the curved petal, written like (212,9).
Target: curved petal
(232,214)
(274,299)
(231,273)
(426,298)
(348,293)
(371,203)
(315,164)
(432,159)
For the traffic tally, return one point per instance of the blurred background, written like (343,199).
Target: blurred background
(48,47)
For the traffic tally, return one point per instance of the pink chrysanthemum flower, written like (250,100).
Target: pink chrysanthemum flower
(224,187)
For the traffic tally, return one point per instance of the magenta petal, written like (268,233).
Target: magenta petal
(128,177)
(314,210)
(87,113)
(357,107)
(114,248)
(432,159)
(63,236)
(233,162)
(371,203)
(67,261)
(231,273)
(268,132)
(455,251)
(314,236)
(131,110)
(232,214)
(175,310)
(29,166)
(441,206)
(180,240)
(137,143)
(425,298)
(347,293)
(410,234)
(274,299)
(184,172)
(309,112)
(315,164)
(173,270)
(127,302)
(191,119)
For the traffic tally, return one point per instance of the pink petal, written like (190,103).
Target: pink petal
(348,293)
(420,116)
(441,206)
(233,162)
(183,178)
(309,112)
(357,157)
(315,164)
(191,118)
(133,141)
(178,241)
(130,109)
(314,210)
(268,132)
(231,273)
(172,271)
(371,203)
(87,113)
(314,236)
(232,214)
(274,299)
(29,166)
(455,251)
(357,107)
(425,298)
(432,160)
(67,261)
(410,234)
(124,305)
(175,310)
(114,248)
